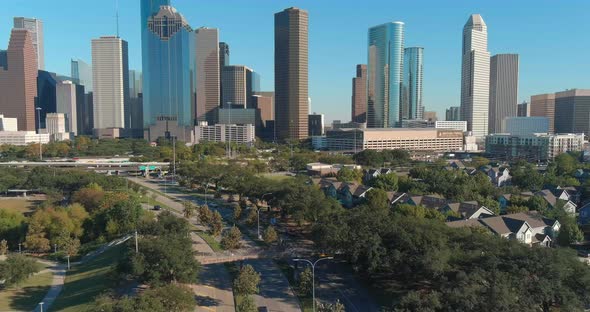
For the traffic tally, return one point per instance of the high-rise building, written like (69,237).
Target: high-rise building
(208,79)
(263,102)
(110,70)
(237,83)
(18,81)
(359,94)
(475,76)
(453,113)
(572,111)
(35,26)
(84,111)
(412,106)
(169,82)
(503,90)
(384,74)
(135,100)
(316,124)
(67,104)
(543,105)
(223,61)
(46,98)
(291,74)
(4,59)
(82,74)
(523,109)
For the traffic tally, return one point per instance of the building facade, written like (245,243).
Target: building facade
(453,113)
(237,84)
(136,100)
(67,105)
(291,74)
(82,73)
(384,74)
(35,27)
(359,94)
(475,76)
(412,106)
(241,134)
(532,148)
(110,70)
(523,109)
(454,125)
(572,111)
(208,74)
(223,61)
(46,94)
(525,125)
(18,80)
(503,90)
(316,124)
(168,71)
(543,105)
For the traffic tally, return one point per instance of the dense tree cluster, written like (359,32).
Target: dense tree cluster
(16,268)
(377,159)
(168,298)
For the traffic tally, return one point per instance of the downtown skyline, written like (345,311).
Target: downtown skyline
(329,72)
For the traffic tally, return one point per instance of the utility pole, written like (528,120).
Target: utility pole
(136,245)
(313,274)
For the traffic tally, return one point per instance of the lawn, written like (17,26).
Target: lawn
(84,282)
(305,301)
(21,205)
(28,294)
(211,241)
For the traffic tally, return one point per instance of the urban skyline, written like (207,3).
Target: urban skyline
(329,83)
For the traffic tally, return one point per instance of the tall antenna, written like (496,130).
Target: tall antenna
(117,15)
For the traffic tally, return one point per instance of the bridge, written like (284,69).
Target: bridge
(119,166)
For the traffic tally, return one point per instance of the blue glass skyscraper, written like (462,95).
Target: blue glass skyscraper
(412,83)
(384,73)
(168,50)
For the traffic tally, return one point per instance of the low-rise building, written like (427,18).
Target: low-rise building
(532,148)
(22,137)
(242,134)
(427,139)
(525,125)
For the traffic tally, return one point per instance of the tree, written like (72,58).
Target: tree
(189,209)
(349,175)
(252,218)
(246,305)
(231,238)
(270,235)
(35,239)
(17,268)
(216,224)
(237,212)
(387,182)
(89,196)
(569,233)
(3,247)
(537,203)
(331,307)
(478,161)
(377,199)
(205,214)
(566,164)
(306,282)
(516,209)
(246,283)
(369,158)
(173,297)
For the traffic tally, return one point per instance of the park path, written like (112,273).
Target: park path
(59,276)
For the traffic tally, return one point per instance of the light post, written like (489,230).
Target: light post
(19,248)
(39,132)
(41,306)
(258,212)
(228,128)
(54,248)
(313,274)
(68,256)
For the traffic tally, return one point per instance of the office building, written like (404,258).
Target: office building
(475,76)
(82,74)
(543,105)
(415,123)
(18,81)
(237,116)
(57,127)
(523,109)
(67,105)
(110,82)
(412,106)
(263,102)
(453,113)
(427,139)
(384,74)
(240,134)
(223,61)
(4,59)
(35,27)
(316,124)
(525,125)
(429,115)
(84,110)
(46,97)
(453,125)
(572,111)
(10,135)
(208,75)
(136,100)
(534,147)
(291,74)
(168,72)
(359,94)
(237,83)
(503,90)
(8,124)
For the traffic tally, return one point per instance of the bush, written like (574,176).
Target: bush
(231,239)
(16,268)
(246,283)
(270,235)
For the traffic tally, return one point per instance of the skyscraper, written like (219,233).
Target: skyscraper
(359,94)
(67,104)
(572,111)
(475,76)
(453,113)
(46,98)
(291,74)
(208,80)
(35,26)
(82,73)
(237,82)
(223,61)
(384,74)
(543,105)
(168,71)
(412,106)
(18,81)
(110,70)
(523,109)
(135,100)
(503,90)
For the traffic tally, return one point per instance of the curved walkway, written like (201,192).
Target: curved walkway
(59,276)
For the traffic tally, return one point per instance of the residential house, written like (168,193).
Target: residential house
(554,201)
(374,173)
(468,210)
(573,193)
(432,201)
(456,164)
(397,198)
(504,199)
(348,193)
(527,227)
(584,214)
(499,176)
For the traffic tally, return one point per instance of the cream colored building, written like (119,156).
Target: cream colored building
(242,134)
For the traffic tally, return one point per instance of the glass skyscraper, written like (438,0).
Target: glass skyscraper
(412,83)
(384,73)
(168,65)
(82,73)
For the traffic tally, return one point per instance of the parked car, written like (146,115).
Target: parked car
(262,309)
(584,253)
(157,208)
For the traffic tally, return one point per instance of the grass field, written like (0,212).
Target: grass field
(210,240)
(21,205)
(28,294)
(86,281)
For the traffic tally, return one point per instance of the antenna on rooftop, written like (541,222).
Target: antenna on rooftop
(117,16)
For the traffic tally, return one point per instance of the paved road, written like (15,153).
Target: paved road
(274,291)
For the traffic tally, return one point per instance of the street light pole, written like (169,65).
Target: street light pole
(41,306)
(258,212)
(39,132)
(313,264)
(19,249)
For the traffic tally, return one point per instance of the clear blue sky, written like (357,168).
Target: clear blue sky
(552,38)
